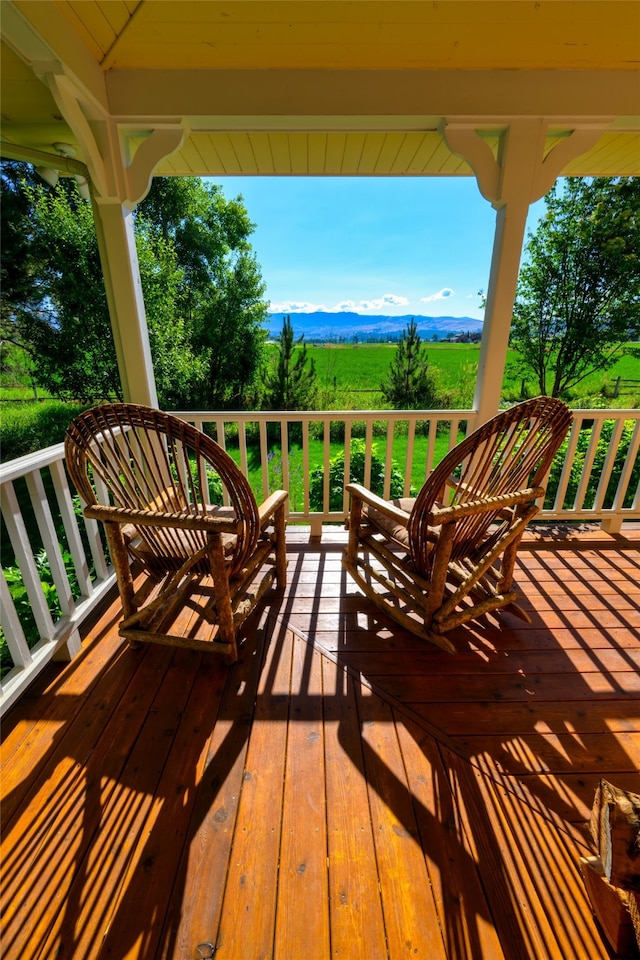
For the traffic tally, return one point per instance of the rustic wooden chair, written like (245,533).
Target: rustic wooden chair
(153,480)
(448,556)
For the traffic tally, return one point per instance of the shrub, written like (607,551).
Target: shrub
(356,475)
(577,465)
(27,427)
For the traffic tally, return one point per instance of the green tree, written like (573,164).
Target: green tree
(410,384)
(221,292)
(201,285)
(578,297)
(20,291)
(290,383)
(69,333)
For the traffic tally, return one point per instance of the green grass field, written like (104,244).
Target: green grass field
(349,375)
(349,378)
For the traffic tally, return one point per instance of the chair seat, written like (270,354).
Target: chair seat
(398,532)
(180,544)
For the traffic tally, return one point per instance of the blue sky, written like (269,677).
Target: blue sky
(403,245)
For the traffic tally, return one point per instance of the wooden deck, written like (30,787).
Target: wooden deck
(344,791)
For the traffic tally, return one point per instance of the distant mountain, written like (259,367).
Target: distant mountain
(345,326)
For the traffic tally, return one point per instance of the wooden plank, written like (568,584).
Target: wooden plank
(152,876)
(56,695)
(67,735)
(567,796)
(357,923)
(528,925)
(522,636)
(431,661)
(248,913)
(193,915)
(410,915)
(50,838)
(473,689)
(94,817)
(556,753)
(589,716)
(559,799)
(303,878)
(464,914)
(549,868)
(119,807)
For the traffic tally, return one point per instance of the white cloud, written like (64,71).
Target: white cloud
(443,294)
(345,306)
(388,300)
(296,306)
(352,306)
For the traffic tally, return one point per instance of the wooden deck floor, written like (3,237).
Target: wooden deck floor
(344,791)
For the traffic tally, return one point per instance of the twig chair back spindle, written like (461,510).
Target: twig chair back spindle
(176,506)
(448,556)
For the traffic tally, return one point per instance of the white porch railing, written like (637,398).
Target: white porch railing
(596,482)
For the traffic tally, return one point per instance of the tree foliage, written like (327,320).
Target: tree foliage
(410,384)
(200,281)
(578,297)
(290,383)
(220,295)
(357,461)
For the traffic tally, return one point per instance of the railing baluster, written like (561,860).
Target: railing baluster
(264,458)
(25,560)
(12,628)
(305,466)
(607,467)
(391,425)
(565,476)
(71,529)
(368,452)
(46,526)
(587,467)
(347,463)
(408,465)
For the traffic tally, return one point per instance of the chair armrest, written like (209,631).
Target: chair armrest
(267,509)
(440,515)
(157,518)
(383,506)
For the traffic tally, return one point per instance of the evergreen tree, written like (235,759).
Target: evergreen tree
(410,384)
(290,383)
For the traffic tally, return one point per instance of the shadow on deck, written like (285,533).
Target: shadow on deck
(343,791)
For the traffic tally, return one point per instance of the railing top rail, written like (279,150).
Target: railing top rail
(13,469)
(319,414)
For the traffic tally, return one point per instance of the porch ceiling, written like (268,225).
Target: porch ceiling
(338,87)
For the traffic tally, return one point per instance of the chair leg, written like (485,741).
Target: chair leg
(120,559)
(280,526)
(355,517)
(226,625)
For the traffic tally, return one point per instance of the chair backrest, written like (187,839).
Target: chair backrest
(135,457)
(512,451)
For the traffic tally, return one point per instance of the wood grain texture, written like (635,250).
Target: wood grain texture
(342,790)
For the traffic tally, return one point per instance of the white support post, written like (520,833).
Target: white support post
(508,239)
(114,226)
(516,178)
